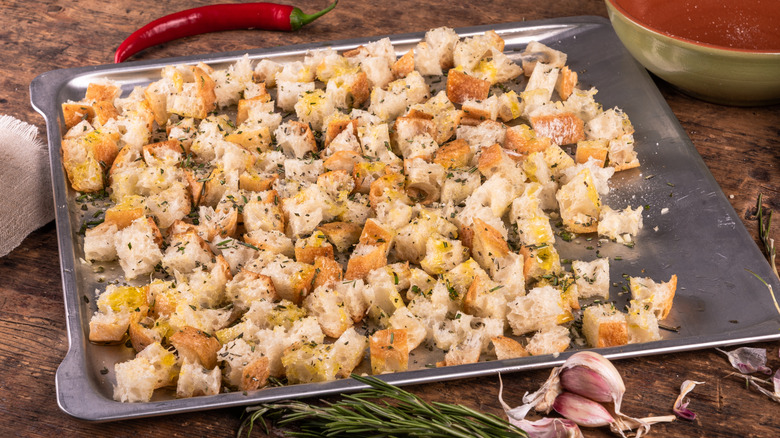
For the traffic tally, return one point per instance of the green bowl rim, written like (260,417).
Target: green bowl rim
(689,43)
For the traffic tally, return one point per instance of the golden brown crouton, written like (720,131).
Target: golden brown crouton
(102,92)
(596,149)
(313,247)
(523,140)
(565,128)
(365,259)
(253,138)
(74,113)
(456,153)
(337,126)
(567,80)
(461,87)
(104,111)
(487,244)
(376,234)
(196,346)
(389,351)
(387,188)
(508,348)
(245,105)
(255,374)
(342,160)
(404,65)
(341,234)
(255,182)
(326,270)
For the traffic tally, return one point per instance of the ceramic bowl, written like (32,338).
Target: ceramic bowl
(710,71)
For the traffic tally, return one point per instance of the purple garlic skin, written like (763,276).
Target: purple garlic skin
(583,411)
(587,383)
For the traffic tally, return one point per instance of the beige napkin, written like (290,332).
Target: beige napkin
(25,183)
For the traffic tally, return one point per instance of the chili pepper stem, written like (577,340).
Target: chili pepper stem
(298,19)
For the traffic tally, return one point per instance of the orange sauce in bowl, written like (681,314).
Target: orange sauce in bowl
(737,24)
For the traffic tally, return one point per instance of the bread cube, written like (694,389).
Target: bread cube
(348,351)
(592,149)
(138,247)
(462,87)
(99,243)
(288,93)
(604,326)
(549,340)
(642,324)
(194,380)
(566,83)
(247,287)
(658,297)
(621,153)
(610,124)
(135,381)
(487,133)
(508,348)
(328,307)
(403,319)
(580,204)
(342,235)
(389,351)
(562,129)
(543,77)
(295,138)
(620,226)
(442,254)
(541,307)
(313,247)
(592,278)
(196,346)
(536,52)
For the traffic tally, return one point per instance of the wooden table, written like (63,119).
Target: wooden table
(740,146)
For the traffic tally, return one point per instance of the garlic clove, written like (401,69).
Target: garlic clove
(581,410)
(587,383)
(599,364)
(549,428)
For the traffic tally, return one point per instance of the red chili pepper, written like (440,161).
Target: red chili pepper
(213,18)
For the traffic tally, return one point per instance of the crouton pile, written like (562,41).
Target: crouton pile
(288,222)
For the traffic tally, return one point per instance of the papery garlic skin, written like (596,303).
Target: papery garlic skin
(581,410)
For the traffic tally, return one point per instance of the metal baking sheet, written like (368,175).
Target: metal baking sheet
(690,229)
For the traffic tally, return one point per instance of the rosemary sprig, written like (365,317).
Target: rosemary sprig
(763,232)
(399,413)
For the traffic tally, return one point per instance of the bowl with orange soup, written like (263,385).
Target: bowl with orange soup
(722,51)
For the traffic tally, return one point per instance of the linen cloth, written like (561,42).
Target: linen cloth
(26,197)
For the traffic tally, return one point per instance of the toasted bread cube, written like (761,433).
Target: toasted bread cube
(549,340)
(563,129)
(252,181)
(348,351)
(100,243)
(404,65)
(74,113)
(389,351)
(658,297)
(642,324)
(309,362)
(544,77)
(145,330)
(312,247)
(604,326)
(619,225)
(109,327)
(462,87)
(255,374)
(86,158)
(251,136)
(138,247)
(486,109)
(328,307)
(592,149)
(342,235)
(508,348)
(456,153)
(365,258)
(135,381)
(295,138)
(186,252)
(102,91)
(541,307)
(592,278)
(524,140)
(104,111)
(485,299)
(194,380)
(196,346)
(197,98)
(258,104)
(247,287)
(566,83)
(509,106)
(536,52)
(486,133)
(610,124)
(327,271)
(580,204)
(403,319)
(442,254)
(273,241)
(621,153)
(487,244)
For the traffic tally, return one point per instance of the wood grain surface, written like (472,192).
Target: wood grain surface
(739,145)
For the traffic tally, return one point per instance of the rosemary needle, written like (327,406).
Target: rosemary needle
(763,232)
(383,410)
